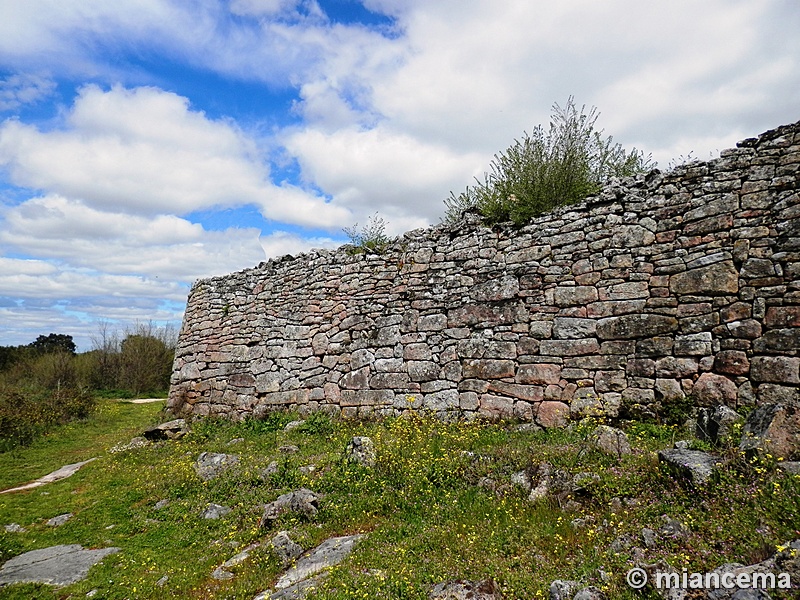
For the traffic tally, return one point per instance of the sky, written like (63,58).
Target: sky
(145,144)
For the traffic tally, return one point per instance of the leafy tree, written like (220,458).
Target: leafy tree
(546,169)
(55,342)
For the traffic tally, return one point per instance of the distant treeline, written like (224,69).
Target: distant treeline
(47,382)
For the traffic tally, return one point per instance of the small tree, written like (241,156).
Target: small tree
(546,169)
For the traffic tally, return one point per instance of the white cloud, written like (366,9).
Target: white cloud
(146,151)
(280,243)
(379,169)
(164,246)
(25,88)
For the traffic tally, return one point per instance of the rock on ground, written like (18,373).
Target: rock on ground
(57,565)
(694,465)
(360,450)
(773,429)
(610,440)
(171,430)
(329,553)
(466,590)
(302,501)
(210,464)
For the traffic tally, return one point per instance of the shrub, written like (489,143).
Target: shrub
(546,169)
(370,239)
(27,413)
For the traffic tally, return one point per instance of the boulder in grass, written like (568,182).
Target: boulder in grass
(171,430)
(210,464)
(466,590)
(361,451)
(773,429)
(57,565)
(302,501)
(696,466)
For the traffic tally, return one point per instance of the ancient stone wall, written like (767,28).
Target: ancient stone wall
(666,286)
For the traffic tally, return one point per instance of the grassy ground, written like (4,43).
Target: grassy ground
(427,509)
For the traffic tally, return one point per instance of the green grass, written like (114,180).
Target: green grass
(426,516)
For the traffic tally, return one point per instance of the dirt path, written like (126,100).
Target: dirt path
(57,475)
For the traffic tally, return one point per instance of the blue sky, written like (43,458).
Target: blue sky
(147,143)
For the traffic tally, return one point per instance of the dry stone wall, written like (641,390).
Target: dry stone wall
(662,287)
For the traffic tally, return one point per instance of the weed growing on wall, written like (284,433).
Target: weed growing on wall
(547,168)
(370,239)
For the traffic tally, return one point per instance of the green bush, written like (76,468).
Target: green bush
(28,413)
(546,169)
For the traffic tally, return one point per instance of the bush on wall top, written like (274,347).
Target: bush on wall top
(546,169)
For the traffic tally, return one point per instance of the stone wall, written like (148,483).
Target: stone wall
(661,287)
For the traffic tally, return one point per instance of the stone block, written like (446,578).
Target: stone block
(539,374)
(442,400)
(389,381)
(529,393)
(748,329)
(487,369)
(356,380)
(656,346)
(496,407)
(676,368)
(569,347)
(640,367)
(775,369)
(421,370)
(468,401)
(361,358)
(610,381)
(496,289)
(694,344)
(552,414)
(565,328)
(541,330)
(779,317)
(668,391)
(436,322)
(731,362)
(631,236)
(720,278)
(778,340)
(635,326)
(713,390)
(367,397)
(575,296)
(417,351)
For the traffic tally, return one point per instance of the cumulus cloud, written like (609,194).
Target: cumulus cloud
(145,149)
(163,246)
(379,168)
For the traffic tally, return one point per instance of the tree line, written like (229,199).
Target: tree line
(47,382)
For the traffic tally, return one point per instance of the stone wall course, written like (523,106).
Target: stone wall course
(662,285)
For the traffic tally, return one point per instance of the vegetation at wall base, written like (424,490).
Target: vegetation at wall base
(439,504)
(546,169)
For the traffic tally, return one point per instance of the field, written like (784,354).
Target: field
(442,502)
